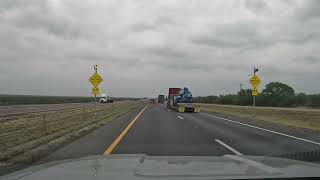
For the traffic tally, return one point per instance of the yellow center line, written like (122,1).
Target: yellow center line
(115,142)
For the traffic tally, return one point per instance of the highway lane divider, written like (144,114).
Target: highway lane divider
(123,133)
(180,117)
(262,129)
(228,147)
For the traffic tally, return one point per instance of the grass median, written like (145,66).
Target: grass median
(295,117)
(27,137)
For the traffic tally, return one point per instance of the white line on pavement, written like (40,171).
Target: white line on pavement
(228,147)
(180,117)
(267,130)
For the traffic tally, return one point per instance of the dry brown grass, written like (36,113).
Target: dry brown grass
(296,117)
(24,137)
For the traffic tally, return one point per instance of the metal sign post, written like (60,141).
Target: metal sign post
(95,80)
(255,82)
(95,67)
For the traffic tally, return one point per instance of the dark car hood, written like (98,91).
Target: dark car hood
(168,167)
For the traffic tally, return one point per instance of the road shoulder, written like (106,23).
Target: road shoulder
(294,131)
(89,142)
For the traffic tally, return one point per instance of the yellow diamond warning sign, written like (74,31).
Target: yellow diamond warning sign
(255,81)
(95,79)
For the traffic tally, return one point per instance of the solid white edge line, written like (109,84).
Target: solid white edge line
(180,117)
(228,147)
(267,130)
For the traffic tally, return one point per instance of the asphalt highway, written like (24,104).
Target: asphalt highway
(156,130)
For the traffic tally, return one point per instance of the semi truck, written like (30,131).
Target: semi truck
(105,99)
(161,99)
(181,100)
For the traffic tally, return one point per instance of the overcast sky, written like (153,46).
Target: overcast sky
(143,47)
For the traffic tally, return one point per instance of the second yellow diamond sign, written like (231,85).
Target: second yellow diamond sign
(95,91)
(95,79)
(255,91)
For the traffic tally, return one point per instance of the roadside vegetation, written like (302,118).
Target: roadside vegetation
(277,103)
(275,94)
(294,117)
(29,99)
(26,137)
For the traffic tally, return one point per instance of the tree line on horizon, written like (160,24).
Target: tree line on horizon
(275,94)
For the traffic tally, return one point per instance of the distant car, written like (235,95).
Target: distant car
(153,101)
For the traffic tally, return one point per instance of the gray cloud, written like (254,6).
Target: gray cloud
(305,37)
(49,47)
(308,59)
(152,25)
(235,35)
(182,66)
(138,27)
(256,6)
(167,51)
(17,4)
(309,10)
(87,57)
(38,15)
